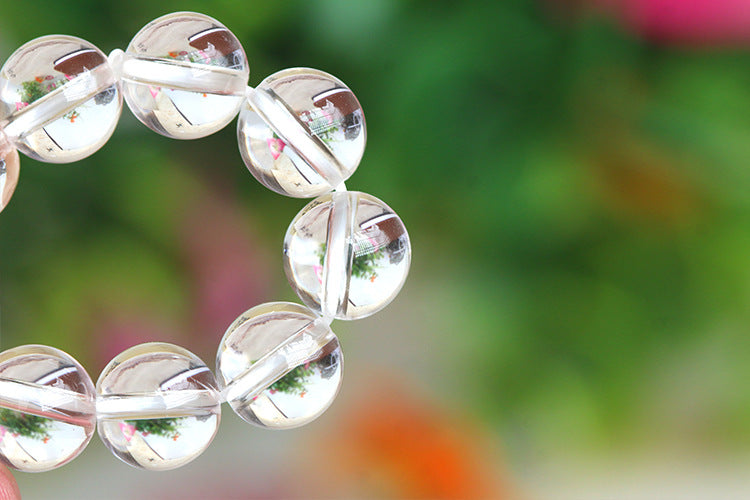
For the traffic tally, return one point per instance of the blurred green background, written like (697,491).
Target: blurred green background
(575,182)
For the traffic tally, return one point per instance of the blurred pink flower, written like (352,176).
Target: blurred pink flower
(226,273)
(227,265)
(694,22)
(118,331)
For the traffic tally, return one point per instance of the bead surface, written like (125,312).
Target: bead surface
(60,99)
(346,254)
(280,365)
(184,75)
(158,406)
(9,169)
(302,132)
(47,413)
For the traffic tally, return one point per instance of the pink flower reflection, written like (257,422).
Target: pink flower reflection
(127,430)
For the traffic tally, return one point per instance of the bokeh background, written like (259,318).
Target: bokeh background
(574,177)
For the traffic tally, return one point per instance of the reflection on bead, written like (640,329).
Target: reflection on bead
(47,413)
(9,168)
(280,365)
(346,254)
(184,75)
(158,406)
(60,98)
(301,132)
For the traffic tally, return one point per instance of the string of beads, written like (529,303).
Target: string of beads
(301,133)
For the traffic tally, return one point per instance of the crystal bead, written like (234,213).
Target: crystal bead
(280,365)
(346,254)
(184,75)
(60,99)
(47,412)
(158,406)
(9,168)
(301,132)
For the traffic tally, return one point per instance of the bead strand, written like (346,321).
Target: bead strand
(301,133)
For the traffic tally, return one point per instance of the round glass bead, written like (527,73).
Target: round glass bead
(346,254)
(301,132)
(60,99)
(184,75)
(47,413)
(158,406)
(280,365)
(9,169)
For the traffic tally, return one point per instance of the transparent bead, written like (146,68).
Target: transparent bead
(47,413)
(346,254)
(280,365)
(184,75)
(9,169)
(158,406)
(60,99)
(301,132)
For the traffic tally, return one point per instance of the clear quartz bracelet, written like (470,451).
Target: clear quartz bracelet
(301,133)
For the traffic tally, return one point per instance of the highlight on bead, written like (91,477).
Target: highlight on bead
(60,99)
(158,406)
(302,132)
(280,365)
(47,413)
(184,75)
(347,254)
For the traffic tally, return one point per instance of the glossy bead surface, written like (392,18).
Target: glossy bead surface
(184,75)
(302,132)
(9,169)
(60,99)
(158,406)
(346,254)
(47,413)
(280,365)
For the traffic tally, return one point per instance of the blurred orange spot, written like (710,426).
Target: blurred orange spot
(412,451)
(636,181)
